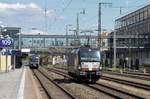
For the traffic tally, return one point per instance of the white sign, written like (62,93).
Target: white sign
(25,50)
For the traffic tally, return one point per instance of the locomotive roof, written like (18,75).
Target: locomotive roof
(35,55)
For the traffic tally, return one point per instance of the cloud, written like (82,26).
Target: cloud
(1,22)
(61,17)
(36,32)
(18,6)
(23,15)
(26,15)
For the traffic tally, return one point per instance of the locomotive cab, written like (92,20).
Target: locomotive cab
(84,64)
(34,62)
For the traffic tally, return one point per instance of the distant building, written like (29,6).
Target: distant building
(104,46)
(11,31)
(104,40)
(133,38)
(9,62)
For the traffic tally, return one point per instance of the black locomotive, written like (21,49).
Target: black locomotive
(84,64)
(34,61)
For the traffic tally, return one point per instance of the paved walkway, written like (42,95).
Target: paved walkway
(31,88)
(10,83)
(19,84)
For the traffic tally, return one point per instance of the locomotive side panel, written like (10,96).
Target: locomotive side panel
(71,63)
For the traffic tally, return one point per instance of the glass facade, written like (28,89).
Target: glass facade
(31,42)
(133,39)
(134,27)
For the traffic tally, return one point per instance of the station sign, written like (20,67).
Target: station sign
(16,53)
(6,43)
(11,52)
(25,50)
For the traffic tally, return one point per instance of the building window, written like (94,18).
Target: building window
(145,14)
(137,18)
(141,16)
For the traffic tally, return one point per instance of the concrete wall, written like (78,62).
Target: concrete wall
(5,63)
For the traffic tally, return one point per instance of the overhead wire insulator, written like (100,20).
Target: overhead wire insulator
(83,6)
(83,11)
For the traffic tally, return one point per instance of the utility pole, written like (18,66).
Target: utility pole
(99,21)
(77,27)
(114,43)
(99,25)
(45,14)
(66,35)
(121,10)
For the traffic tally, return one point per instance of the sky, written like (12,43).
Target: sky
(29,14)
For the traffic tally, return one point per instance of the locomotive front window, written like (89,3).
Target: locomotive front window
(90,56)
(34,59)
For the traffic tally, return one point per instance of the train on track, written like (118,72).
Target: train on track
(34,61)
(84,64)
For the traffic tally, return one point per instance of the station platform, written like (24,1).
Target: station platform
(18,84)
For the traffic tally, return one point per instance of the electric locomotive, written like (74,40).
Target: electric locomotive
(84,64)
(34,61)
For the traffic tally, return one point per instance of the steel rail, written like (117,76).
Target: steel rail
(126,82)
(110,93)
(116,93)
(61,88)
(42,84)
(67,92)
(131,75)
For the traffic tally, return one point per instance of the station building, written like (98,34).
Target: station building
(7,61)
(133,38)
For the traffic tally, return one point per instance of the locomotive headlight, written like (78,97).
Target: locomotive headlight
(79,67)
(100,67)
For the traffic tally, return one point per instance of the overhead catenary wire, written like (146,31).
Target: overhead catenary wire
(87,21)
(45,15)
(83,7)
(63,10)
(67,5)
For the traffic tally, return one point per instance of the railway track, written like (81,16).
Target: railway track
(113,92)
(121,81)
(48,84)
(131,75)
(127,82)
(137,73)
